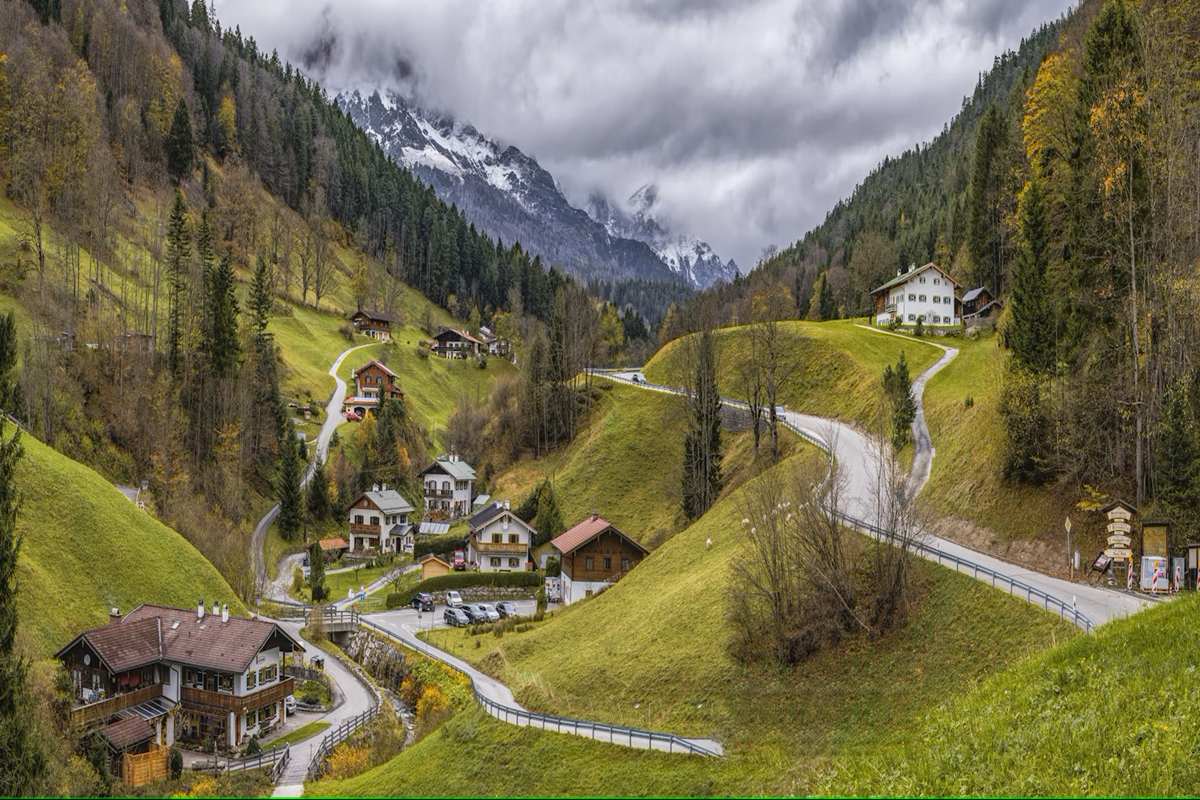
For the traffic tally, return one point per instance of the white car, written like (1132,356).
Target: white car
(289,704)
(453,599)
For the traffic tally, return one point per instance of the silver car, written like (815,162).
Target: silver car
(489,612)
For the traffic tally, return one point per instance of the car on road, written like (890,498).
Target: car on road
(456,617)
(422,601)
(353,416)
(488,612)
(453,598)
(507,608)
(636,378)
(289,704)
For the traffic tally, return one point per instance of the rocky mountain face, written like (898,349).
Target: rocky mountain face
(508,194)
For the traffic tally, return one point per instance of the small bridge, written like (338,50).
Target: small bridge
(335,623)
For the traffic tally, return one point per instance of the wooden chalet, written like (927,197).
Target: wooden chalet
(594,554)
(375,324)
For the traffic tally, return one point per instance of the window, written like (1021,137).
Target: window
(250,719)
(495,562)
(445,486)
(514,562)
(624,565)
(937,320)
(251,679)
(166,675)
(921,298)
(922,279)
(358,519)
(937,298)
(912,298)
(947,300)
(514,538)
(936,282)
(224,683)
(912,317)
(497,538)
(374,520)
(589,563)
(608,563)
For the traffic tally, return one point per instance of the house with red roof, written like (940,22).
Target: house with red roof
(373,383)
(594,555)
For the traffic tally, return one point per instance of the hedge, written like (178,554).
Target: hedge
(443,545)
(461,580)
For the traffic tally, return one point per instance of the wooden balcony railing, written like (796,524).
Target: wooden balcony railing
(503,548)
(102,710)
(439,493)
(366,530)
(237,703)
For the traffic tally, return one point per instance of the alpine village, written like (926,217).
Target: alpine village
(348,452)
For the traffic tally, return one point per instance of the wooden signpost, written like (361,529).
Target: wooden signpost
(1120,529)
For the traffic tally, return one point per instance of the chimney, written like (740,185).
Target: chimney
(225,612)
(216,608)
(200,610)
(506,504)
(595,515)
(114,615)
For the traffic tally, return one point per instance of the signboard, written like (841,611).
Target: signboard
(1119,541)
(1118,554)
(1156,539)
(1119,527)
(1120,512)
(1101,563)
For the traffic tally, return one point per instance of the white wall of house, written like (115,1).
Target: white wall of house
(916,297)
(577,590)
(506,528)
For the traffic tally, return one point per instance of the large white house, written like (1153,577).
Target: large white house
(499,540)
(926,293)
(449,486)
(379,521)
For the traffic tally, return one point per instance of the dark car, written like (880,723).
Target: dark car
(473,612)
(507,608)
(456,617)
(422,601)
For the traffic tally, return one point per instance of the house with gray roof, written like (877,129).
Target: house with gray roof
(449,486)
(379,520)
(926,294)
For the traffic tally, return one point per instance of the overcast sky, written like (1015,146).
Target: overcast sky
(753,116)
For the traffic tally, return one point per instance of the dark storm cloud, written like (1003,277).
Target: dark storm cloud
(753,116)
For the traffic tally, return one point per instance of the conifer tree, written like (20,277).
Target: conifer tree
(318,494)
(897,387)
(548,523)
(221,343)
(8,361)
(1179,462)
(179,142)
(22,760)
(316,574)
(829,309)
(1030,334)
(178,250)
(260,293)
(288,485)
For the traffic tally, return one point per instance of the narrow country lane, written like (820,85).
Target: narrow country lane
(333,418)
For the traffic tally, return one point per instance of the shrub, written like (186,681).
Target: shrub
(422,351)
(253,748)
(346,761)
(394,600)
(459,580)
(919,330)
(443,545)
(541,600)
(347,331)
(176,762)
(969,402)
(553,567)
(312,693)
(481,362)
(432,710)
(297,580)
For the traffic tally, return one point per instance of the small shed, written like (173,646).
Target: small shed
(432,564)
(334,548)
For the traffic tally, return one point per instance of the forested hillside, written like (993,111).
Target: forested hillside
(1068,185)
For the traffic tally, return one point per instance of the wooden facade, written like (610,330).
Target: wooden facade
(373,323)
(135,769)
(605,558)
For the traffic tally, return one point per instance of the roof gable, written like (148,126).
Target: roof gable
(388,501)
(122,646)
(377,316)
(907,276)
(587,530)
(494,513)
(374,363)
(446,331)
(457,469)
(208,642)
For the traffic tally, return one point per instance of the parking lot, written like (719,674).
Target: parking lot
(414,622)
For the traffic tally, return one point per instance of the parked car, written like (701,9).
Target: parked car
(456,617)
(289,704)
(423,601)
(507,608)
(460,560)
(453,598)
(353,416)
(488,612)
(472,611)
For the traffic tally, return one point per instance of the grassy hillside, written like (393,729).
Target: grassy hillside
(605,468)
(652,652)
(1112,713)
(433,386)
(87,548)
(838,372)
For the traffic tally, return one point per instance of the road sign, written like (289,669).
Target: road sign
(1067,524)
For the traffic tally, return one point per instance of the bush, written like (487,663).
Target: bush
(919,330)
(443,545)
(422,351)
(541,599)
(347,331)
(553,567)
(176,762)
(297,580)
(253,748)
(432,710)
(481,362)
(313,693)
(969,402)
(395,600)
(460,580)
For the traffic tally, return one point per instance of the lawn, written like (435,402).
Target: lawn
(966,477)
(339,583)
(86,548)
(840,366)
(433,386)
(299,735)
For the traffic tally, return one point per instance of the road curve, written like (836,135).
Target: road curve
(859,458)
(333,418)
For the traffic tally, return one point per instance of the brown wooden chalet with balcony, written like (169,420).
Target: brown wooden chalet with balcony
(161,674)
(375,324)
(594,554)
(373,383)
(379,520)
(454,343)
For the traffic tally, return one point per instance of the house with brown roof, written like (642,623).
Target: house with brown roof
(375,324)
(455,343)
(594,555)
(184,674)
(334,548)
(373,383)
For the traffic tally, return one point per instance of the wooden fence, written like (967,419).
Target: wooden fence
(137,769)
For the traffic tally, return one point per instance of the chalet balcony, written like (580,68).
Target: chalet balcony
(239,704)
(502,548)
(365,530)
(101,710)
(443,493)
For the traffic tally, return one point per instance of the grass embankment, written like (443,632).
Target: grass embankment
(1113,713)
(299,735)
(86,548)
(433,386)
(651,652)
(966,477)
(838,373)
(627,464)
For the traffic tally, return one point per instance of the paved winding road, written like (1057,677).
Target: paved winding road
(333,418)
(859,457)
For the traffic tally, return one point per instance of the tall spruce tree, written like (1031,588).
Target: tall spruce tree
(1030,334)
(702,456)
(260,293)
(289,487)
(221,344)
(985,238)
(316,574)
(548,523)
(8,361)
(318,494)
(178,250)
(179,144)
(1179,462)
(897,387)
(22,760)
(829,307)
